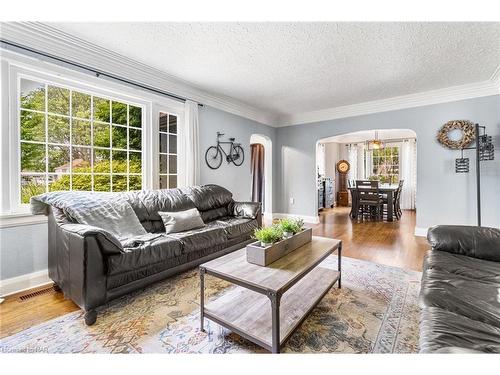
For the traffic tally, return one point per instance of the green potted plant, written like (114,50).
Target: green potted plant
(268,235)
(291,226)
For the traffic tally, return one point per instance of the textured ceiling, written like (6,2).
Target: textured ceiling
(290,68)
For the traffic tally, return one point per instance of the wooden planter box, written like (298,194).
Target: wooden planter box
(264,256)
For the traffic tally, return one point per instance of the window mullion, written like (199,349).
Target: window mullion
(46,116)
(92,161)
(70,140)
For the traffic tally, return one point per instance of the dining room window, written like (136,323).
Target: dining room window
(383,164)
(74,140)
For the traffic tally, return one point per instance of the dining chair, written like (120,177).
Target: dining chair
(368,197)
(397,200)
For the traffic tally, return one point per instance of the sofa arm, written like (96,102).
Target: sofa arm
(472,241)
(109,243)
(77,263)
(247,210)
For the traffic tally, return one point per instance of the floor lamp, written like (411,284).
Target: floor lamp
(485,151)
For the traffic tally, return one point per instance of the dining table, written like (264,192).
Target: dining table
(386,189)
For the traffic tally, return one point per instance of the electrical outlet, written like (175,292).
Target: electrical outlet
(292,201)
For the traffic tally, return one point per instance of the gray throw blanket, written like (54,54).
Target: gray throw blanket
(110,212)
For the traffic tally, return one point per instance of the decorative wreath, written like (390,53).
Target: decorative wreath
(468,134)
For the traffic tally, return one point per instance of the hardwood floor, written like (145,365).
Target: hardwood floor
(389,243)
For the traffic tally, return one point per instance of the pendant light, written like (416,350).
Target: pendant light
(375,144)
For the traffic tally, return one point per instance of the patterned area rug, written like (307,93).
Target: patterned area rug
(375,312)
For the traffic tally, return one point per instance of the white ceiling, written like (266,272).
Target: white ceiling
(291,68)
(367,135)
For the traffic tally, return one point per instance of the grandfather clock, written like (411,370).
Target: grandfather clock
(343,195)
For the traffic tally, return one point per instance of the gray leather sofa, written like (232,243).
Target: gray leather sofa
(460,294)
(92,270)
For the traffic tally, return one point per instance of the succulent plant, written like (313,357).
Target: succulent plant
(292,226)
(268,235)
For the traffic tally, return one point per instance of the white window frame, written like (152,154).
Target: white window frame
(369,168)
(163,106)
(15,66)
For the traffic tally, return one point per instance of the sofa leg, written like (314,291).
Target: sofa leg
(90,317)
(57,288)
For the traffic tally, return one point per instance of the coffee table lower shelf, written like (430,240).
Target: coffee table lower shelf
(249,313)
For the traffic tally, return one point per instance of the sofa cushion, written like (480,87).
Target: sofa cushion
(209,197)
(147,203)
(478,269)
(475,299)
(214,214)
(444,331)
(238,227)
(211,235)
(476,242)
(147,254)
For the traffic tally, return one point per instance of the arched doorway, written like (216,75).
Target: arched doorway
(262,183)
(395,161)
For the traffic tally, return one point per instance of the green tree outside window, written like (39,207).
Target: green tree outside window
(68,141)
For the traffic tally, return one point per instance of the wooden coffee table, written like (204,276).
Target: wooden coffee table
(269,303)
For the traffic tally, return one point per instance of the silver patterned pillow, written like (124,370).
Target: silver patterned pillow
(181,221)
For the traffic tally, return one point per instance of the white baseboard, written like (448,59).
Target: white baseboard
(267,215)
(23,282)
(421,232)
(307,219)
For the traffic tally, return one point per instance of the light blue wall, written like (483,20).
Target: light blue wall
(442,195)
(235,179)
(23,250)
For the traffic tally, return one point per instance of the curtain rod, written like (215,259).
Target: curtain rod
(96,72)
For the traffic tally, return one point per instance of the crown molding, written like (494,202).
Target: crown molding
(495,77)
(48,39)
(51,40)
(450,94)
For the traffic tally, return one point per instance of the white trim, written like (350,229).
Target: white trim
(421,232)
(495,77)
(24,282)
(267,216)
(307,219)
(450,94)
(51,40)
(9,221)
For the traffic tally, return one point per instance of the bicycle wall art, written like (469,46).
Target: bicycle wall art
(215,154)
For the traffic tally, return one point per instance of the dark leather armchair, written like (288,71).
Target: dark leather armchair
(459,293)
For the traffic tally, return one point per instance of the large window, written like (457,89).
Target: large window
(71,140)
(168,150)
(384,165)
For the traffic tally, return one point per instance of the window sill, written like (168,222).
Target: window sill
(9,221)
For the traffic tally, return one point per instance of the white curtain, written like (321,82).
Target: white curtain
(409,174)
(360,175)
(352,158)
(192,137)
(321,159)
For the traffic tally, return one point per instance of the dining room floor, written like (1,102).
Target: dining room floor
(389,243)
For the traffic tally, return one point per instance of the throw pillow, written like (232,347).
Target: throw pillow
(181,221)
